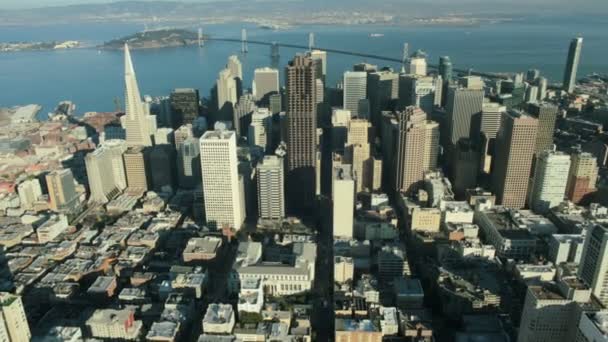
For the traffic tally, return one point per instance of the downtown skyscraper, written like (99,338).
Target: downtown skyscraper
(355,90)
(515,144)
(574,58)
(139,125)
(301,132)
(222,187)
(411,139)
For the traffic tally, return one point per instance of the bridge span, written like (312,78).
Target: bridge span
(349,53)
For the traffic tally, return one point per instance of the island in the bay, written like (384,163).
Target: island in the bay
(38,46)
(154,39)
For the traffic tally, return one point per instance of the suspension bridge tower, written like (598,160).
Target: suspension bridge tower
(311,41)
(244,48)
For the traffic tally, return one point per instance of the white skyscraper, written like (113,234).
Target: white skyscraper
(593,268)
(320,56)
(355,89)
(260,130)
(235,66)
(13,325)
(423,94)
(343,198)
(532,94)
(265,82)
(137,121)
(271,188)
(116,148)
(417,65)
(227,89)
(29,192)
(550,180)
(101,176)
(222,188)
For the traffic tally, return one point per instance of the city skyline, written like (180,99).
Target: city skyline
(412,200)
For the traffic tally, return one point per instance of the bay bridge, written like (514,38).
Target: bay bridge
(274,48)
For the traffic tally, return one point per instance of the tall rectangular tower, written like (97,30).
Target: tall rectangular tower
(301,133)
(515,146)
(185,105)
(265,83)
(411,139)
(271,190)
(574,57)
(62,191)
(462,105)
(13,325)
(355,89)
(546,114)
(136,169)
(343,198)
(582,176)
(549,182)
(222,188)
(101,176)
(593,268)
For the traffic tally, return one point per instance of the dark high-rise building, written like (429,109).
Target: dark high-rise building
(515,146)
(301,133)
(532,75)
(188,163)
(446,72)
(162,170)
(184,105)
(546,114)
(382,90)
(465,167)
(276,105)
(445,68)
(574,57)
(462,105)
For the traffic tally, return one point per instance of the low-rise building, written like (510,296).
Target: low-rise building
(202,249)
(219,319)
(389,324)
(190,282)
(566,248)
(344,269)
(392,262)
(349,330)
(295,275)
(52,228)
(527,272)
(251,296)
(408,293)
(163,332)
(105,286)
(426,219)
(511,239)
(115,324)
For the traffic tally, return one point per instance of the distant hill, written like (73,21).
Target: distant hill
(154,39)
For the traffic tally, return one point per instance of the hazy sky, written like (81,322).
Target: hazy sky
(564,4)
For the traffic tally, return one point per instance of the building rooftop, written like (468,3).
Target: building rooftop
(600,319)
(407,286)
(218,314)
(354,325)
(102,284)
(206,245)
(164,330)
(545,293)
(217,135)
